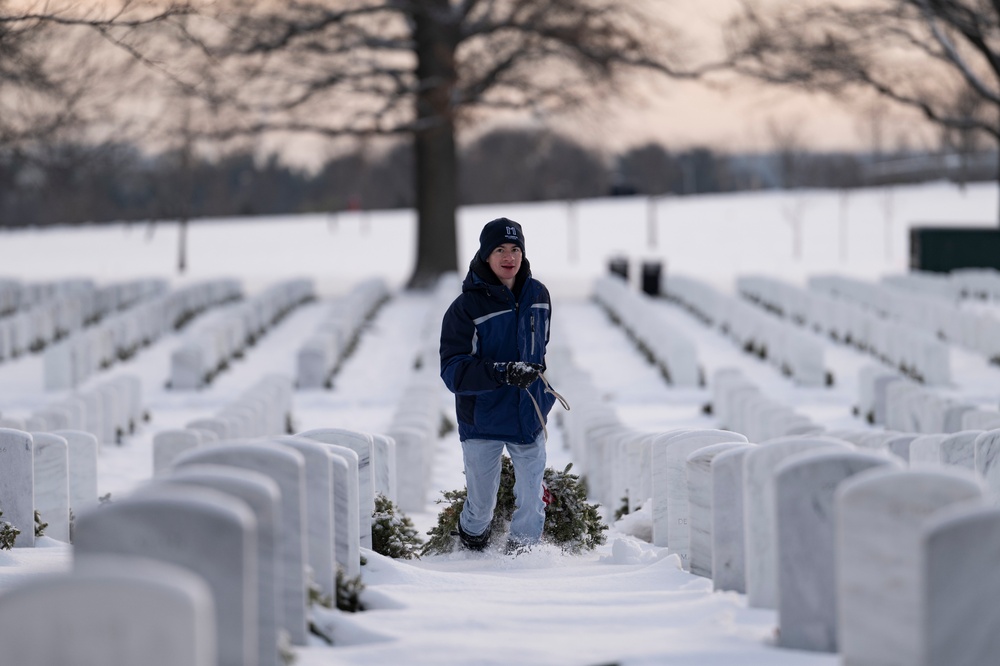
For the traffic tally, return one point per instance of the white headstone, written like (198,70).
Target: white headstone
(960,586)
(208,532)
(168,444)
(207,436)
(385,466)
(82,468)
(93,415)
(699,480)
(881,387)
(347,532)
(805,485)
(11,423)
(313,363)
(959,449)
(111,412)
(953,416)
(319,510)
(759,511)
(728,538)
(412,454)
(287,468)
(36,423)
(17,484)
(880,516)
(263,496)
(55,417)
(222,428)
(187,368)
(987,446)
(361,443)
(669,454)
(900,445)
(52,483)
(114,611)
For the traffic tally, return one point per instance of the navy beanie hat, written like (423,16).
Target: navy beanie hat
(496,233)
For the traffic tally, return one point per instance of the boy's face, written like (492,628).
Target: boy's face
(505,261)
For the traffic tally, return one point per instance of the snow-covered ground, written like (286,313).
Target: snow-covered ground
(628,602)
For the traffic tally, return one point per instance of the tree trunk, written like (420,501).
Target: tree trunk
(434,144)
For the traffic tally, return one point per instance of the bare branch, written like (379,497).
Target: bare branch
(922,54)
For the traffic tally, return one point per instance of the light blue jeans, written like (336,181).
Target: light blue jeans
(482,480)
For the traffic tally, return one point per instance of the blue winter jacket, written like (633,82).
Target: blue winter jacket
(487,324)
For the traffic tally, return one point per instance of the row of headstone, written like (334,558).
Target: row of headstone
(320,355)
(981,283)
(915,552)
(448,286)
(826,310)
(925,283)
(900,345)
(10,296)
(958,284)
(759,518)
(612,456)
(937,306)
(589,414)
(847,311)
(672,351)
(906,576)
(974,450)
(739,404)
(416,427)
(110,410)
(762,519)
(698,297)
(900,404)
(373,465)
(791,351)
(856,552)
(215,555)
(38,323)
(212,341)
(134,324)
(780,297)
(263,410)
(63,308)
(53,473)
(416,423)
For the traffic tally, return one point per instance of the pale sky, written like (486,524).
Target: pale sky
(731,115)
(738,114)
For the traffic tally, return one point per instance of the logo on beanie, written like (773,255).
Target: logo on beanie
(512,233)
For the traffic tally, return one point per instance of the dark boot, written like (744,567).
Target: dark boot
(473,541)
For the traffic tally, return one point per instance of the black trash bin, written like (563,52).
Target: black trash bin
(619,266)
(651,271)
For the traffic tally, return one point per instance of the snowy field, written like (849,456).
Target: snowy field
(628,602)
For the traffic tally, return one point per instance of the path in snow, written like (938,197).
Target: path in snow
(626,602)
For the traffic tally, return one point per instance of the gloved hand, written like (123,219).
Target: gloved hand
(518,373)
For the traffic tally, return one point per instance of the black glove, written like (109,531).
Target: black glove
(518,373)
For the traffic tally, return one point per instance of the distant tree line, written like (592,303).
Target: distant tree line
(74,183)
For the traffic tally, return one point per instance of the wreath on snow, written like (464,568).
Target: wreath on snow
(570,521)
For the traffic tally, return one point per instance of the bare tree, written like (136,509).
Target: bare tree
(53,81)
(420,68)
(922,54)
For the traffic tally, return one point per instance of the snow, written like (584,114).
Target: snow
(627,602)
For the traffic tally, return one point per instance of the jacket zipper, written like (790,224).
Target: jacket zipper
(532,335)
